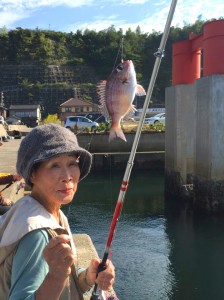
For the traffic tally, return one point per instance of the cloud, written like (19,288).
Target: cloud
(8,18)
(162,2)
(188,12)
(100,23)
(184,14)
(147,14)
(36,4)
(69,3)
(12,11)
(155,22)
(125,2)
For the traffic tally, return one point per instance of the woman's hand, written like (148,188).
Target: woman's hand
(6,202)
(59,257)
(105,279)
(17,177)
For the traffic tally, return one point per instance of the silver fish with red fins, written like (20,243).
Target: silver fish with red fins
(117,94)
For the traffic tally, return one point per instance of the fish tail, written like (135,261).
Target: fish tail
(116,132)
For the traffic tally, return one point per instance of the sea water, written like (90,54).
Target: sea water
(160,252)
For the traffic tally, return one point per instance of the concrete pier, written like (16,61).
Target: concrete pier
(209,150)
(194,142)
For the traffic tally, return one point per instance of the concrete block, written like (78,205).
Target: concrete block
(210,124)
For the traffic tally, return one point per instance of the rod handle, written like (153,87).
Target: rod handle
(102,266)
(95,295)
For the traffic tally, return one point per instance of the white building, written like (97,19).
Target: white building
(29,115)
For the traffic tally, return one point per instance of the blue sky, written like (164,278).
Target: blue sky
(70,15)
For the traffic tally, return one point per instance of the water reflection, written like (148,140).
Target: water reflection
(140,248)
(196,255)
(160,251)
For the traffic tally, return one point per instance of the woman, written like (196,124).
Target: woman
(52,163)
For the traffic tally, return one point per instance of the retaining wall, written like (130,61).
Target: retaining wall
(98,142)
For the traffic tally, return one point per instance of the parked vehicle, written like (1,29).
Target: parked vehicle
(97,117)
(80,122)
(159,118)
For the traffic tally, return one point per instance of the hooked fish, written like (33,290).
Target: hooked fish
(117,94)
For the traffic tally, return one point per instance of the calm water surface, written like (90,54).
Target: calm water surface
(160,252)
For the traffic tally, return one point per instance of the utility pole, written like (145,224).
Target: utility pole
(2,100)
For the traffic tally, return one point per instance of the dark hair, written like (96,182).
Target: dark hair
(34,168)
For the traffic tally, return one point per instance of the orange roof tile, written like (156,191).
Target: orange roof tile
(77,102)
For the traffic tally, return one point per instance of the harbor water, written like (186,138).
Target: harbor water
(160,251)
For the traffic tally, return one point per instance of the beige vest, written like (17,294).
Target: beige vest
(23,217)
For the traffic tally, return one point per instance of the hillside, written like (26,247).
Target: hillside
(48,85)
(46,67)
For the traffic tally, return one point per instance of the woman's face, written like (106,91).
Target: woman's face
(55,180)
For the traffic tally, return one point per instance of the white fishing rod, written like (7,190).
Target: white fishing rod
(159,55)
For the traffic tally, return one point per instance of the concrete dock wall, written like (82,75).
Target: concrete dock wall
(180,129)
(209,161)
(115,155)
(210,128)
(194,142)
(85,252)
(180,136)
(98,143)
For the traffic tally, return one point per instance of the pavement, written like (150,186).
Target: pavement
(8,156)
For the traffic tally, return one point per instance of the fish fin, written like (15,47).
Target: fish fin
(101,91)
(140,91)
(132,109)
(116,132)
(105,113)
(130,112)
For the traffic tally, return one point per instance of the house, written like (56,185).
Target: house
(76,107)
(13,120)
(29,115)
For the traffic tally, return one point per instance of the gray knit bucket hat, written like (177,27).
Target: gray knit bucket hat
(46,141)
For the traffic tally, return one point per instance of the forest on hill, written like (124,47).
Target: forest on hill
(99,51)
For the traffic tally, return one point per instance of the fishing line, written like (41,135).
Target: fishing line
(111,189)
(86,147)
(120,51)
(159,54)
(122,48)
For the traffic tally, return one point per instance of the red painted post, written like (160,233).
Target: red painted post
(213,46)
(186,63)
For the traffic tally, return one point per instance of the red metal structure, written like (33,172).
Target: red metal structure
(187,55)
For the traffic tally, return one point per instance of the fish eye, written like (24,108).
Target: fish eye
(120,68)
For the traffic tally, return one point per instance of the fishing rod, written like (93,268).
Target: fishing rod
(8,185)
(124,186)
